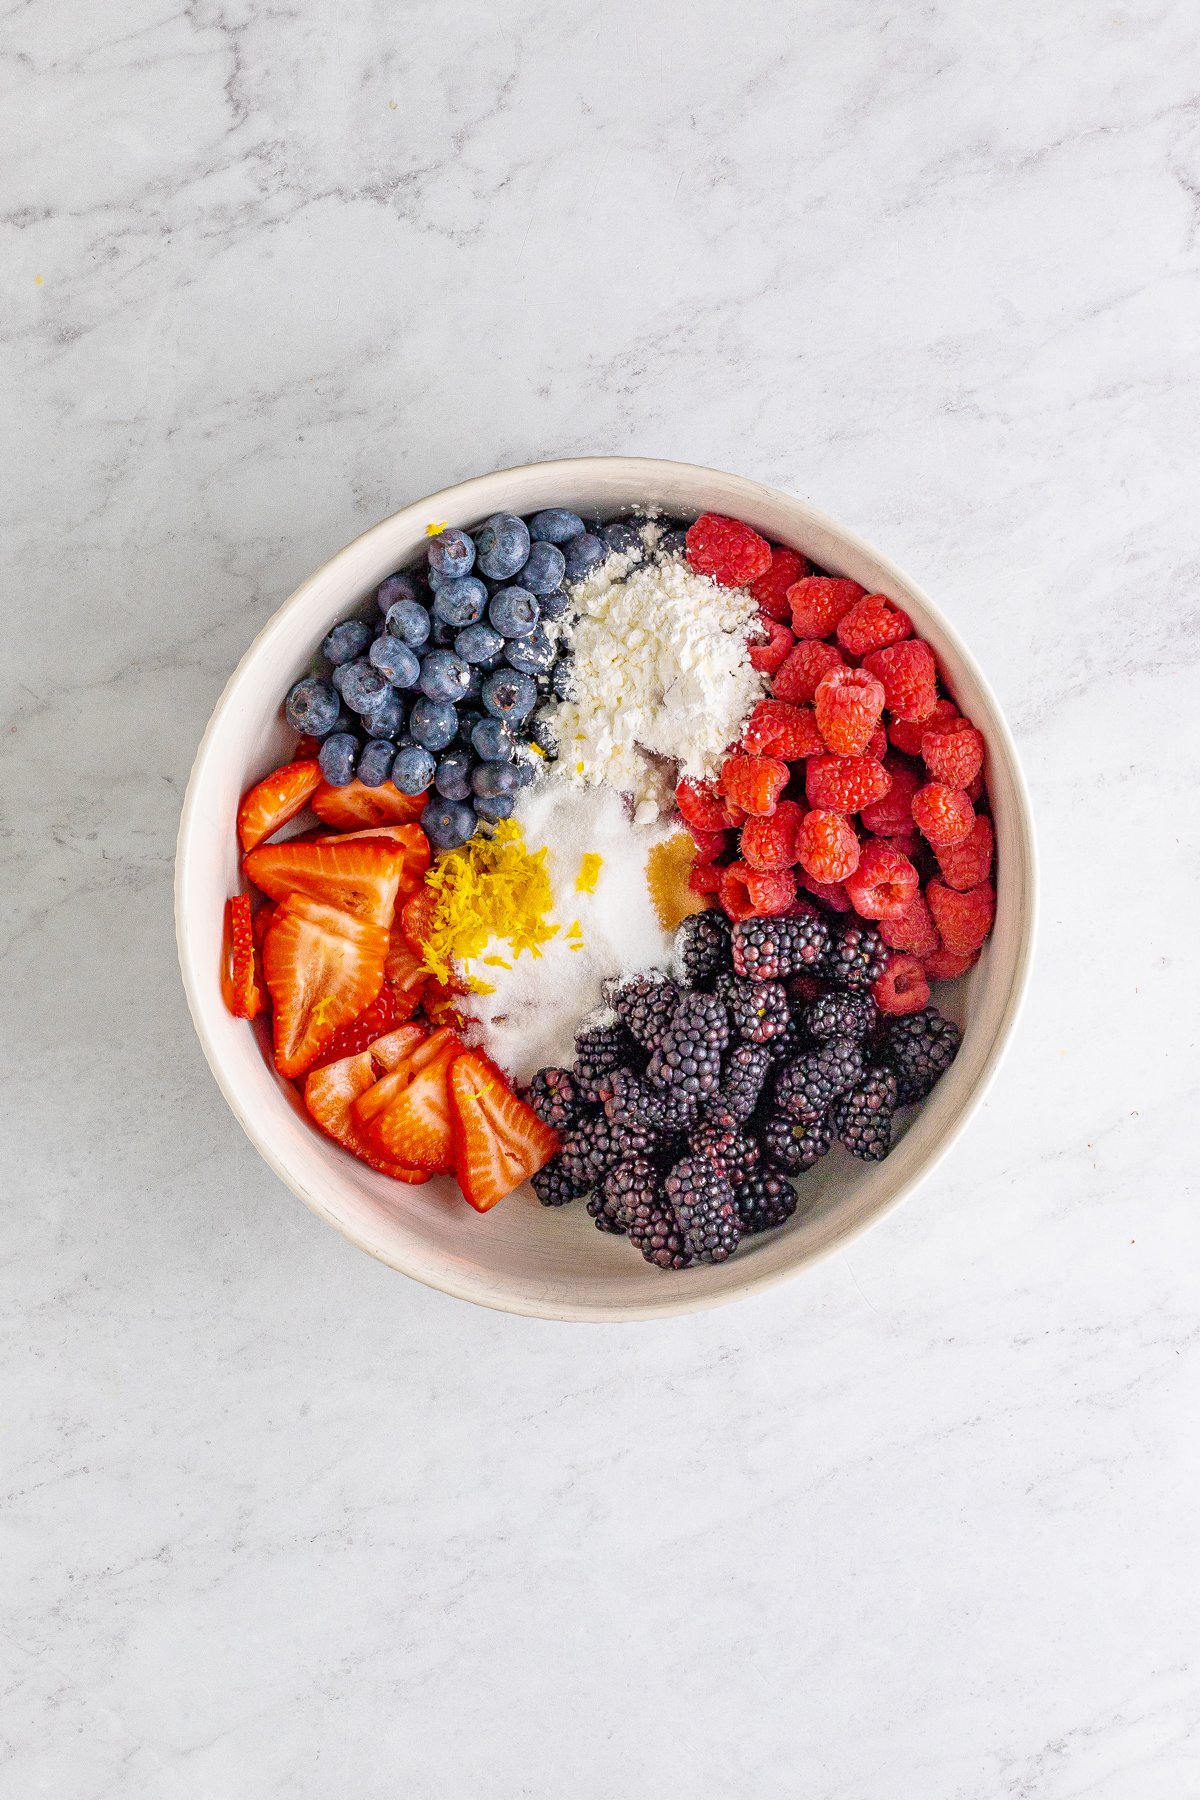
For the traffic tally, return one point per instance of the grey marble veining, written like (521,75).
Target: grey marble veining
(276,1523)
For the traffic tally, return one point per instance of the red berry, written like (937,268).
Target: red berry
(768,657)
(912,930)
(871,623)
(771,843)
(878,745)
(771,589)
(710,845)
(976,789)
(700,805)
(892,816)
(965,919)
(753,782)
(818,603)
(734,893)
(948,965)
(780,729)
(942,814)
(965,865)
(847,704)
(906,734)
(953,752)
(884,883)
(705,878)
(798,677)
(827,846)
(844,783)
(727,550)
(909,675)
(771,890)
(831,894)
(902,988)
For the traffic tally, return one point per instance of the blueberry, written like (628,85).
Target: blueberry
(444,676)
(491,739)
(514,612)
(409,621)
(412,770)
(363,685)
(337,757)
(339,675)
(346,641)
(533,655)
(447,823)
(387,721)
(375,763)
(479,644)
(312,707)
(451,553)
(541,735)
(460,603)
(493,806)
(396,661)
(562,678)
(436,580)
(672,543)
(492,778)
(622,536)
(453,777)
(442,634)
(584,553)
(433,723)
(555,525)
(502,544)
(544,569)
(507,694)
(554,605)
(396,588)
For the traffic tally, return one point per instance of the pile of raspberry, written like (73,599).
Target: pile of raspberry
(858,782)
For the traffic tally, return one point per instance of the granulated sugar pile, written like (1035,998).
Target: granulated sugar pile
(661,671)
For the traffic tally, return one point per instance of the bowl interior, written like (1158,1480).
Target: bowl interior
(523,1257)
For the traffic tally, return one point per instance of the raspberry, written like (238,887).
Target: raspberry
(884,883)
(770,890)
(964,920)
(700,805)
(942,814)
(948,965)
(976,789)
(847,705)
(771,589)
(845,783)
(965,865)
(877,743)
(754,782)
(953,752)
(902,988)
(872,623)
(804,667)
(771,843)
(768,658)
(733,891)
(705,878)
(819,603)
(892,816)
(779,729)
(831,893)
(912,930)
(908,672)
(730,552)
(906,734)
(827,846)
(710,845)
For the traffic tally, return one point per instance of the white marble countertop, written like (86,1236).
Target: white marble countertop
(279,1525)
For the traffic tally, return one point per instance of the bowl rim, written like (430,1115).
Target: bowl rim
(676,1301)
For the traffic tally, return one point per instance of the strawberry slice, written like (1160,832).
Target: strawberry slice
(408,840)
(241,982)
(499,1142)
(261,924)
(276,799)
(348,807)
(404,975)
(360,878)
(416,918)
(380,1017)
(329,1094)
(389,1051)
(323,967)
(407,1115)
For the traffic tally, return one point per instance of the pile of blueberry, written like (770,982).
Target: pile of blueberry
(440,693)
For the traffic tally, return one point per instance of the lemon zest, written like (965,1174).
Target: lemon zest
(434,529)
(480,987)
(491,887)
(589,873)
(497,962)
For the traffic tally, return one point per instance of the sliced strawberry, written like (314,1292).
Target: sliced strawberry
(380,1017)
(407,1114)
(349,807)
(404,975)
(276,799)
(499,1142)
(261,923)
(390,1050)
(416,918)
(329,1094)
(241,982)
(323,967)
(361,878)
(408,838)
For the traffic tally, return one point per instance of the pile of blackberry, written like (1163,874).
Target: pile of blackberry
(693,1106)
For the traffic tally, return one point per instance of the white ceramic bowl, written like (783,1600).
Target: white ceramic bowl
(523,1257)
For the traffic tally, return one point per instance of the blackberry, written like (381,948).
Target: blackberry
(645,1006)
(554,1097)
(857,957)
(633,1102)
(593,1144)
(790,1043)
(791,1147)
(864,1117)
(758,1010)
(702,1200)
(599,1049)
(841,1015)
(765,1199)
(625,1187)
(688,1060)
(806,1089)
(702,946)
(920,1048)
(721,1138)
(554,1186)
(656,1231)
(768,949)
(742,1075)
